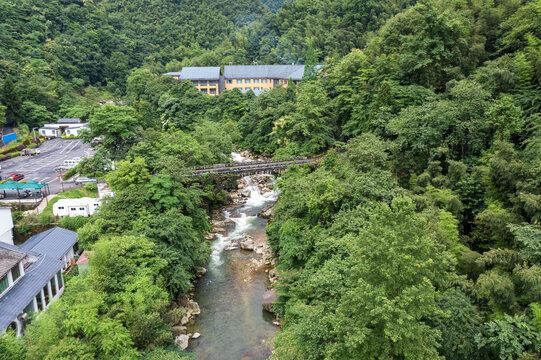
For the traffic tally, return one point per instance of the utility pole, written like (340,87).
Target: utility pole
(34,132)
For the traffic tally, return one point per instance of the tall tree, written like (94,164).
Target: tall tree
(10,99)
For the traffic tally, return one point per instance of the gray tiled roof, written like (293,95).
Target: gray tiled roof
(199,73)
(294,72)
(8,259)
(19,296)
(69,121)
(53,243)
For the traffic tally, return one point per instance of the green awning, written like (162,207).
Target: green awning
(34,185)
(13,185)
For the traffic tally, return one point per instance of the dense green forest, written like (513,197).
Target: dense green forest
(417,236)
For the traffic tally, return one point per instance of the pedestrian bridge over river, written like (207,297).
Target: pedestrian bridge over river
(251,167)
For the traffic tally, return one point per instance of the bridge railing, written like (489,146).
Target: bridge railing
(248,163)
(252,166)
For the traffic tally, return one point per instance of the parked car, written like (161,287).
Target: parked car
(84,180)
(31,152)
(70,163)
(15,177)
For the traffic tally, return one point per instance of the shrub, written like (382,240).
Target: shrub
(15,153)
(5,157)
(73,223)
(91,187)
(70,173)
(26,142)
(20,147)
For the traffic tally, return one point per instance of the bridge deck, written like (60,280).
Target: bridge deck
(251,167)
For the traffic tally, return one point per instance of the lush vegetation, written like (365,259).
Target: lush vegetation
(416,237)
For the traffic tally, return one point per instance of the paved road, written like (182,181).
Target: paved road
(42,167)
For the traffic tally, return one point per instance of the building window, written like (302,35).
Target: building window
(73,209)
(212,83)
(4,284)
(247,81)
(230,81)
(256,88)
(30,307)
(96,204)
(53,285)
(60,208)
(82,208)
(204,91)
(203,83)
(40,303)
(47,298)
(213,91)
(15,272)
(256,81)
(67,132)
(239,81)
(59,278)
(263,81)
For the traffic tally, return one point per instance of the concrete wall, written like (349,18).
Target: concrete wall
(6,225)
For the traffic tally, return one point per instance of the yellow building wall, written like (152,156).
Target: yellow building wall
(251,85)
(206,88)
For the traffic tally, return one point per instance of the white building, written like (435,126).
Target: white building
(70,127)
(6,225)
(76,207)
(31,275)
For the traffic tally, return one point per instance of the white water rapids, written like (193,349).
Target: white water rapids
(244,221)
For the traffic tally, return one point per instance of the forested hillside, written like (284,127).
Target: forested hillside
(418,234)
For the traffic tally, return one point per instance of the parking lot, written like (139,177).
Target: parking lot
(41,167)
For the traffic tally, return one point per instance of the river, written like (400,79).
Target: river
(232,323)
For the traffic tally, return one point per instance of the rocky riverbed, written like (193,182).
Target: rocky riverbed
(234,292)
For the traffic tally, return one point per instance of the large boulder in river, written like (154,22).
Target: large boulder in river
(182,341)
(246,192)
(193,307)
(267,212)
(178,330)
(269,297)
(247,244)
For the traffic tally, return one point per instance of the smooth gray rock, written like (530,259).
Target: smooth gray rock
(269,297)
(182,341)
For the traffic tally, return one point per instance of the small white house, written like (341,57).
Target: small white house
(49,131)
(76,207)
(70,127)
(6,225)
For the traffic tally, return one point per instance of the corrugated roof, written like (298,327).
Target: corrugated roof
(200,73)
(69,121)
(53,243)
(9,258)
(294,72)
(20,295)
(78,202)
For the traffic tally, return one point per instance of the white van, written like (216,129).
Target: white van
(71,163)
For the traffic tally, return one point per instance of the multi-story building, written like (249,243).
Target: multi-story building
(257,78)
(31,275)
(205,79)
